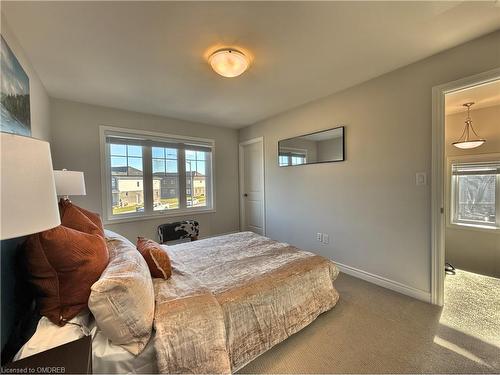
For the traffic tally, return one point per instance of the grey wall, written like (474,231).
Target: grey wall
(75,145)
(330,149)
(468,248)
(377,218)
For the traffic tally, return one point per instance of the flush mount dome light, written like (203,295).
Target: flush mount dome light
(228,62)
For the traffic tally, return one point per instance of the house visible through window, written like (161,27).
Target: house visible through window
(475,195)
(153,175)
(165,174)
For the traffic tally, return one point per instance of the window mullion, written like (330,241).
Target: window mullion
(456,198)
(181,167)
(497,200)
(147,167)
(209,198)
(109,182)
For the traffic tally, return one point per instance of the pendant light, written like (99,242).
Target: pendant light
(464,142)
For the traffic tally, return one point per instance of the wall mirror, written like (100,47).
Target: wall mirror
(325,146)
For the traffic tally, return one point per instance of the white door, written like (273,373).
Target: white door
(252,211)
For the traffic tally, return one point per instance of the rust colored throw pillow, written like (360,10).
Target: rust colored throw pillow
(63,263)
(71,217)
(156,258)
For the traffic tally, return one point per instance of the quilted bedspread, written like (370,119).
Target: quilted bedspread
(232,297)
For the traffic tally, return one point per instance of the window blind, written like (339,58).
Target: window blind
(167,143)
(483,168)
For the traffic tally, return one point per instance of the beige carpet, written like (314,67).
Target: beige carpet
(374,330)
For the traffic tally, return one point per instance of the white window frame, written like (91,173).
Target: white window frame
(451,189)
(148,214)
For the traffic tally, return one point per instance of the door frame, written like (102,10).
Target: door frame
(241,180)
(438,175)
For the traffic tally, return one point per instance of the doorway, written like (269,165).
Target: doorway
(445,183)
(252,188)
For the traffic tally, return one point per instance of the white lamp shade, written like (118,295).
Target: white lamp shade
(69,182)
(28,194)
(469,144)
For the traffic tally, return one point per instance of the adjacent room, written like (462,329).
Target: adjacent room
(251,187)
(472,268)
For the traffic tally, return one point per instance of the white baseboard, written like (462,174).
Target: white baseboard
(386,283)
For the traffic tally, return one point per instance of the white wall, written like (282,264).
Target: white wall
(468,248)
(75,145)
(39,100)
(377,218)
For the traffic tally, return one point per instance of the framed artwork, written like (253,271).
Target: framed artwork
(14,94)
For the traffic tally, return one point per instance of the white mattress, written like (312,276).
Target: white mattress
(113,359)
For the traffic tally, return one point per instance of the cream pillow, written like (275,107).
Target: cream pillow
(122,300)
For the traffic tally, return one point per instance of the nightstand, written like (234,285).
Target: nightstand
(75,357)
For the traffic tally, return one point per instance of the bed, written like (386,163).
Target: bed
(230,299)
(238,295)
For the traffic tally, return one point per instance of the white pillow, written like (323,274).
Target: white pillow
(49,335)
(122,300)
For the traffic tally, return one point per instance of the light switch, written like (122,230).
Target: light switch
(421,178)
(326,238)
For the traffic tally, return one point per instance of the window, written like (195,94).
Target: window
(165,174)
(288,156)
(152,174)
(196,172)
(475,193)
(126,178)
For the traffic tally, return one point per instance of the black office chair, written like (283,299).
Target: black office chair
(179,230)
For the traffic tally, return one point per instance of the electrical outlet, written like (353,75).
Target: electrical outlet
(319,237)
(326,238)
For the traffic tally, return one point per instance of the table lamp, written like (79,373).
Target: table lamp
(28,201)
(69,183)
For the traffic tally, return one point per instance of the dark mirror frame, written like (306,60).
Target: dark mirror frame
(316,162)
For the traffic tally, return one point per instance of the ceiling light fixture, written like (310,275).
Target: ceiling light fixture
(464,142)
(228,62)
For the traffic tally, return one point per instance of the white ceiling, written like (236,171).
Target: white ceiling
(483,96)
(151,56)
